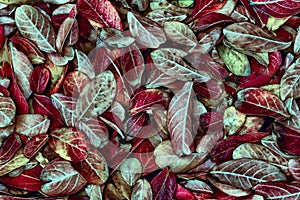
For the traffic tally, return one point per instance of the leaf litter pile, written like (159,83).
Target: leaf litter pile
(141,99)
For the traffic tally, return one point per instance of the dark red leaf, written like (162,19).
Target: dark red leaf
(211,122)
(164,185)
(203,7)
(10,146)
(277,9)
(223,150)
(39,79)
(43,105)
(28,180)
(288,138)
(35,144)
(149,99)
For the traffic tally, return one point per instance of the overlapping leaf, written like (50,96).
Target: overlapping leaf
(147,32)
(100,13)
(255,101)
(69,143)
(246,173)
(62,179)
(36,27)
(247,36)
(170,61)
(97,95)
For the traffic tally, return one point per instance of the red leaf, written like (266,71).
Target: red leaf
(277,8)
(255,101)
(74,83)
(100,13)
(278,190)
(164,185)
(288,138)
(10,146)
(211,19)
(16,94)
(203,7)
(27,47)
(69,143)
(43,105)
(149,99)
(183,194)
(270,70)
(211,122)
(144,152)
(28,180)
(39,79)
(94,168)
(35,144)
(223,150)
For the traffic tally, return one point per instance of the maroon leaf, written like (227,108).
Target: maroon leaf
(280,190)
(39,79)
(149,99)
(74,83)
(100,13)
(270,70)
(277,9)
(183,194)
(223,150)
(203,7)
(43,105)
(211,122)
(144,152)
(35,144)
(94,168)
(27,180)
(27,47)
(163,185)
(255,101)
(10,146)
(287,138)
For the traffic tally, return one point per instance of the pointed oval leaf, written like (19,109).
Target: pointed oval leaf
(281,190)
(10,146)
(255,101)
(142,190)
(96,131)
(62,179)
(36,27)
(247,36)
(146,31)
(96,96)
(170,61)
(22,68)
(28,48)
(27,180)
(69,143)
(131,170)
(66,107)
(31,124)
(180,33)
(246,173)
(277,8)
(100,13)
(94,168)
(290,82)
(163,185)
(35,144)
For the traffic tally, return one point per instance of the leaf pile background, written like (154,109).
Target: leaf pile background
(150,99)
